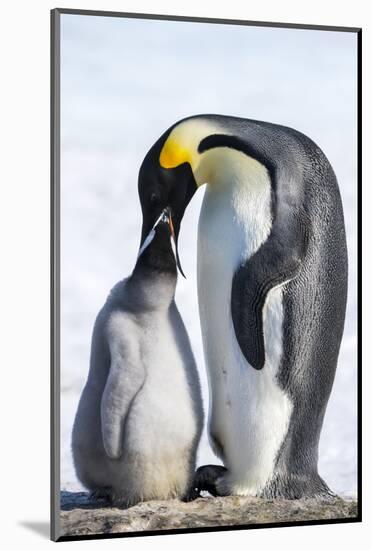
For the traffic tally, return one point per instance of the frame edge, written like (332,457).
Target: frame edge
(55,273)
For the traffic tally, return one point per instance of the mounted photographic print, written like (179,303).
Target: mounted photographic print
(205,185)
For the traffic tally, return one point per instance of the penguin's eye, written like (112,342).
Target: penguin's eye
(154,199)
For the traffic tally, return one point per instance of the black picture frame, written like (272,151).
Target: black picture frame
(55,267)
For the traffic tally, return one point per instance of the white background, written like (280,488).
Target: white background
(25,264)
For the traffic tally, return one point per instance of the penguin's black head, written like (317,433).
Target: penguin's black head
(162,189)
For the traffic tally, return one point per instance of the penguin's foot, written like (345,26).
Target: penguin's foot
(207,478)
(294,486)
(190,495)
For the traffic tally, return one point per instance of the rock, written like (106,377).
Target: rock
(83,516)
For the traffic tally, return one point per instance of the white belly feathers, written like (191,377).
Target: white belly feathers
(249,413)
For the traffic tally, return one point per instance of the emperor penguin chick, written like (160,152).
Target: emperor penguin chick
(140,415)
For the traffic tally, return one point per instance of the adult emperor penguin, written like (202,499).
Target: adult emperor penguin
(272,286)
(140,416)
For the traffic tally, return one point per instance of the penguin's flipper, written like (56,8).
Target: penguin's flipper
(276,262)
(125,379)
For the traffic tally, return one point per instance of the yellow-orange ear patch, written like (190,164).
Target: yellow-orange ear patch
(173,154)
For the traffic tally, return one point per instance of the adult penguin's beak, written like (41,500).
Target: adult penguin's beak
(167,217)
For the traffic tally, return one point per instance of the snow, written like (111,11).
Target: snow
(124,81)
